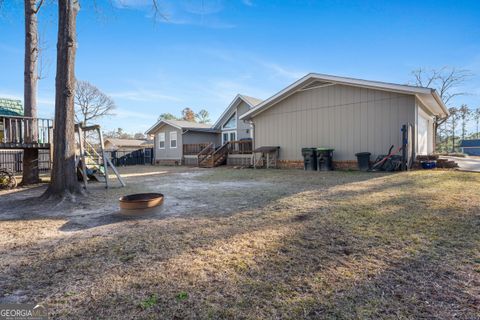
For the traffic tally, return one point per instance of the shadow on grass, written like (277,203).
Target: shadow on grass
(313,253)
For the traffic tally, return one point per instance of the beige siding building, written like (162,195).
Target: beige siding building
(348,115)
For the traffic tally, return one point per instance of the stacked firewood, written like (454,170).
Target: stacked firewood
(441,163)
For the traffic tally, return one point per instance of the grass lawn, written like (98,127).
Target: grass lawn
(263,244)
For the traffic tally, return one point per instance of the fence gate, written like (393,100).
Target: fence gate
(131,157)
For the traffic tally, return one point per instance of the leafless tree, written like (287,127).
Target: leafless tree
(30,174)
(91,103)
(447,82)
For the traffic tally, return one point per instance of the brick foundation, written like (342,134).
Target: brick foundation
(290,164)
(345,165)
(168,162)
(337,165)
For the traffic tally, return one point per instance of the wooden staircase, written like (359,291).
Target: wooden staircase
(210,158)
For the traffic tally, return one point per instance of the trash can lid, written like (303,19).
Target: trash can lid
(308,149)
(325,149)
(362,154)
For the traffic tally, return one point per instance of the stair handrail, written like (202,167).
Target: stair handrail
(205,152)
(220,152)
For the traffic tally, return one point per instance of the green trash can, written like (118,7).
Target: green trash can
(309,159)
(325,159)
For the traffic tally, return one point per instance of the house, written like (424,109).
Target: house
(190,143)
(346,114)
(231,128)
(8,108)
(470,147)
(113,144)
(178,141)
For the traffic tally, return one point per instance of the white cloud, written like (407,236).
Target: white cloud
(248,2)
(143,95)
(124,113)
(282,71)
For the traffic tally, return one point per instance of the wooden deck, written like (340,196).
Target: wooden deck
(25,132)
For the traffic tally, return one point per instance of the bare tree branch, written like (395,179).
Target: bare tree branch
(91,103)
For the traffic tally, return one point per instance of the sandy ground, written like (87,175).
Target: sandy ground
(239,243)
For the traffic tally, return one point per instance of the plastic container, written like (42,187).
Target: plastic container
(363,160)
(325,159)
(309,159)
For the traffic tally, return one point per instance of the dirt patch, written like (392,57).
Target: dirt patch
(252,244)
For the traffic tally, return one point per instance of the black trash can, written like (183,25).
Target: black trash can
(324,159)
(309,159)
(363,160)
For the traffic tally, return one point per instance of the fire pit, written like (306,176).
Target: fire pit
(140,203)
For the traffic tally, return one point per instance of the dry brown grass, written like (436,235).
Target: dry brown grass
(329,245)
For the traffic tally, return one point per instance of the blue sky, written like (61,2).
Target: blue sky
(207,51)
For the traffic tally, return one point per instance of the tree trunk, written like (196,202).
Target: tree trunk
(30,173)
(64,178)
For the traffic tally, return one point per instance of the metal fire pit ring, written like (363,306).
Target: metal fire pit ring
(140,203)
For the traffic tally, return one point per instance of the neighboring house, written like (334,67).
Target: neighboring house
(176,140)
(114,144)
(9,108)
(470,147)
(190,138)
(349,115)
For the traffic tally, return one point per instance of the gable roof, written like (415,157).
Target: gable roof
(473,143)
(10,107)
(128,142)
(250,101)
(180,124)
(428,96)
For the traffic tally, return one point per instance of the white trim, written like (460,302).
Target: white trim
(235,113)
(176,139)
(318,87)
(164,140)
(232,104)
(228,132)
(158,123)
(391,87)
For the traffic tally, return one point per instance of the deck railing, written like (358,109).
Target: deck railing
(194,148)
(25,130)
(240,147)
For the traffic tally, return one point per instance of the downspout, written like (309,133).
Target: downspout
(253,141)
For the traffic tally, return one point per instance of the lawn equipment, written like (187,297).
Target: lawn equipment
(7,179)
(389,162)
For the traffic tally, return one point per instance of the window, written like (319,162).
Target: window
(173,139)
(232,122)
(229,136)
(161,140)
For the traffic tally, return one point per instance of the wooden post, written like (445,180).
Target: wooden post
(82,157)
(104,161)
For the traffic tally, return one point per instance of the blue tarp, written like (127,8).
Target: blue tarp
(470,143)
